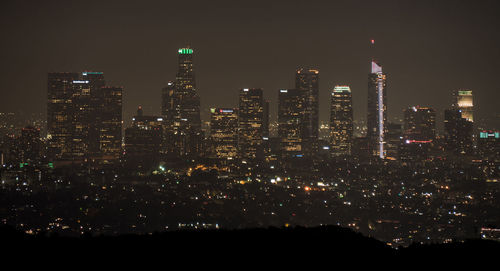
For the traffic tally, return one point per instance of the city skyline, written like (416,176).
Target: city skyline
(374,118)
(453,45)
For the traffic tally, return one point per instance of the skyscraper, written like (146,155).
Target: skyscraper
(181,107)
(250,119)
(393,141)
(110,122)
(95,106)
(488,145)
(341,120)
(30,145)
(143,141)
(189,102)
(169,106)
(307,82)
(289,122)
(377,110)
(84,118)
(83,134)
(419,133)
(170,110)
(419,124)
(464,102)
(265,123)
(60,109)
(458,132)
(224,132)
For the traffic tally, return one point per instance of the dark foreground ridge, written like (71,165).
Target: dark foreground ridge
(290,242)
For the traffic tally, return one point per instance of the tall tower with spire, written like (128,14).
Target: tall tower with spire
(181,108)
(377,110)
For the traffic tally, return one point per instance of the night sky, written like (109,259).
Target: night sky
(428,48)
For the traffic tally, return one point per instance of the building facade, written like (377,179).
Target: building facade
(181,109)
(84,117)
(458,133)
(419,124)
(60,109)
(341,121)
(250,123)
(143,141)
(377,110)
(307,82)
(393,139)
(290,122)
(488,145)
(464,102)
(224,132)
(110,122)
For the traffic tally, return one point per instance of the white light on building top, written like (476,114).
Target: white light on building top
(339,89)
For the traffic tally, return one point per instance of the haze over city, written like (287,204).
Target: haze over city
(373,125)
(429,48)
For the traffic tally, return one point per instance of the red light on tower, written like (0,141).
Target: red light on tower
(373,41)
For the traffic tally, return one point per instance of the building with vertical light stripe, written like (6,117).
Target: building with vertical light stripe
(377,110)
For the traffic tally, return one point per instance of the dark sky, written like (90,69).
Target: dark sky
(428,48)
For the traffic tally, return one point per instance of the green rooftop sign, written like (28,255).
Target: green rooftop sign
(185,51)
(92,73)
(489,134)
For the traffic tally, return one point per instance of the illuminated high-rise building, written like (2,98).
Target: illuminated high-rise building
(95,105)
(393,139)
(488,145)
(377,110)
(289,122)
(189,103)
(250,119)
(169,106)
(341,120)
(60,107)
(464,102)
(171,115)
(458,132)
(8,124)
(181,108)
(110,122)
(419,134)
(265,123)
(83,135)
(30,145)
(143,141)
(307,82)
(266,132)
(419,124)
(224,132)
(84,117)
